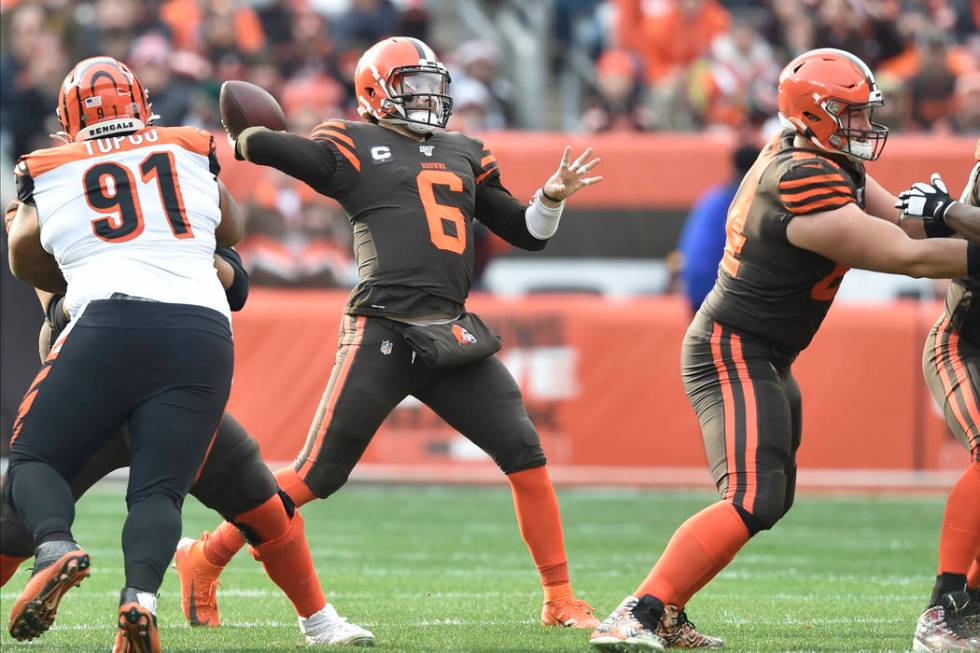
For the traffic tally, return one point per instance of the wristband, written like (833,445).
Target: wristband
(937,229)
(237,293)
(973,259)
(542,221)
(550,198)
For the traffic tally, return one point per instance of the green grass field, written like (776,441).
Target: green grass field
(444,569)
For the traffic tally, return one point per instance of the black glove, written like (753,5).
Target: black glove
(931,202)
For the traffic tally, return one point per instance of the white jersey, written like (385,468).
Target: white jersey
(132,214)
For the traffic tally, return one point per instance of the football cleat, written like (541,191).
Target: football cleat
(941,627)
(623,632)
(198,583)
(569,612)
(328,627)
(35,608)
(675,629)
(138,632)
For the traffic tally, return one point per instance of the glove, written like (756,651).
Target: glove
(931,202)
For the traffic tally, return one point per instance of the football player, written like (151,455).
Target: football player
(804,214)
(951,363)
(234,481)
(412,192)
(148,345)
(132,253)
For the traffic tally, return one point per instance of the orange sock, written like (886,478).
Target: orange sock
(8,565)
(961,524)
(973,576)
(540,523)
(698,551)
(288,563)
(297,489)
(222,545)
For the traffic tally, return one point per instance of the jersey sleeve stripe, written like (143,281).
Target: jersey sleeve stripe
(806,193)
(795,182)
(350,156)
(487,160)
(334,134)
(819,204)
(486,174)
(332,124)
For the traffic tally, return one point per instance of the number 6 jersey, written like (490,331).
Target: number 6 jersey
(132,214)
(411,204)
(767,287)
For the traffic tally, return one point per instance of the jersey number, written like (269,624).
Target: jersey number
(447,224)
(826,289)
(120,204)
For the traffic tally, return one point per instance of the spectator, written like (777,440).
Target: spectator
(618,102)
(29,79)
(672,36)
(171,97)
(366,22)
(931,88)
(866,29)
(738,81)
(966,102)
(477,62)
(702,241)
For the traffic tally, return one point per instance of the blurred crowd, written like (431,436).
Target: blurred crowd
(658,65)
(697,64)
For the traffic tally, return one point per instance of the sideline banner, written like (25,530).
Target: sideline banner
(601,382)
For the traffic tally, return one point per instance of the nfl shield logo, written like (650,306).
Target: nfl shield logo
(426,149)
(386,347)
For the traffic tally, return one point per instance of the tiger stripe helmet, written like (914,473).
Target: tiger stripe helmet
(101,96)
(400,80)
(819,92)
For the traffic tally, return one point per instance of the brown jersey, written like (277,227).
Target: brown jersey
(411,204)
(767,287)
(963,298)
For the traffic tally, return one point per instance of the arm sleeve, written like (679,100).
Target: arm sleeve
(312,162)
(504,214)
(237,293)
(25,182)
(814,185)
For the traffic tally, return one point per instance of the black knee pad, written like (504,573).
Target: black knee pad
(764,516)
(164,493)
(517,459)
(234,479)
(326,478)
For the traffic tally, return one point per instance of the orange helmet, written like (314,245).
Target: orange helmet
(400,80)
(821,92)
(102,96)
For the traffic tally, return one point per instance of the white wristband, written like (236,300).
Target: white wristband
(542,221)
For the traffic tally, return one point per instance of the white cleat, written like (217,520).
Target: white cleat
(328,627)
(622,632)
(934,635)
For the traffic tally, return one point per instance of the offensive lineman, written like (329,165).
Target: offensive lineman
(951,364)
(804,214)
(411,193)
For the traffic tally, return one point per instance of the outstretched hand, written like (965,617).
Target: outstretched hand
(571,177)
(927,201)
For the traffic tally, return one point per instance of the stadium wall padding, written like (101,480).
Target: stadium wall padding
(601,383)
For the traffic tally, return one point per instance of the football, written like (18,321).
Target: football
(244,105)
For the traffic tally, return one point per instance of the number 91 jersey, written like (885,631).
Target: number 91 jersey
(767,287)
(132,214)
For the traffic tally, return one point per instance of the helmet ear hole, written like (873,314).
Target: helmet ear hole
(370,92)
(811,116)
